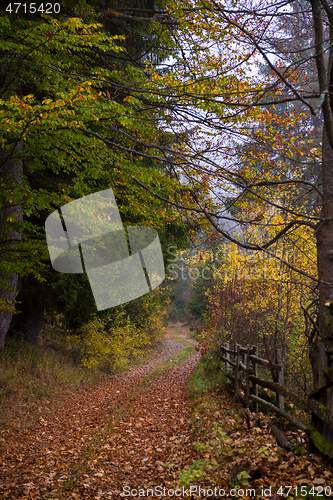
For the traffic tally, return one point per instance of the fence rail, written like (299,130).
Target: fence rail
(241,368)
(247,361)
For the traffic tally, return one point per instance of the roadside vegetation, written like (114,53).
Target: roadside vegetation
(67,361)
(237,450)
(258,301)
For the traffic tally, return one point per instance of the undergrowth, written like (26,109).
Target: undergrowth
(30,375)
(210,436)
(235,447)
(64,362)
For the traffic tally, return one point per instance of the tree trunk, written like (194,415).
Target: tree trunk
(321,350)
(10,170)
(28,321)
(6,316)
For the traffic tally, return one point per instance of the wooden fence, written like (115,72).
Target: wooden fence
(241,367)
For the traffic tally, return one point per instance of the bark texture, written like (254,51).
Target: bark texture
(321,349)
(11,169)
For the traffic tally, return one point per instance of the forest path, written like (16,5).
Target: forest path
(119,433)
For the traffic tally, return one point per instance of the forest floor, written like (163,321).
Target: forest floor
(132,436)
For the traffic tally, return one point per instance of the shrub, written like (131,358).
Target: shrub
(114,347)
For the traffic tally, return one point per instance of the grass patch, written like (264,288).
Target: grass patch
(206,377)
(204,386)
(29,375)
(175,359)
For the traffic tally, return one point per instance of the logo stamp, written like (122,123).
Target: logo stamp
(87,235)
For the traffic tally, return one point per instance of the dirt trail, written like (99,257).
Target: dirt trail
(120,433)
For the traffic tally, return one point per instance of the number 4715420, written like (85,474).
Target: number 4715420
(32,8)
(305,491)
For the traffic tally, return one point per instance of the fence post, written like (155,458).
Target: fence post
(247,377)
(227,355)
(219,343)
(255,373)
(236,370)
(279,397)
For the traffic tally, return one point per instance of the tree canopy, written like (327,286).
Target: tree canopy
(68,130)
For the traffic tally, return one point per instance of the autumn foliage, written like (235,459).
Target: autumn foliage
(262,299)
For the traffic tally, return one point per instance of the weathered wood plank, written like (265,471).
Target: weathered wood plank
(293,420)
(280,437)
(264,362)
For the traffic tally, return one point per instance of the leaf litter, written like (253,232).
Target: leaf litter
(132,433)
